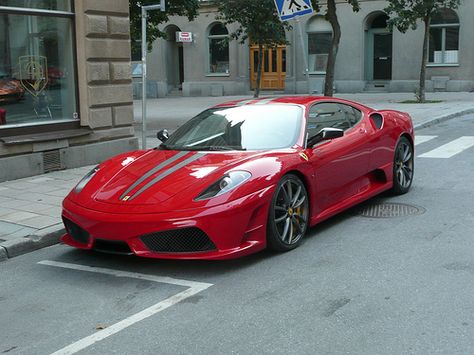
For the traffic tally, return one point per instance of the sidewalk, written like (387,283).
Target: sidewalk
(30,208)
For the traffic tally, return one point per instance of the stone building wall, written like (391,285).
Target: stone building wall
(105,104)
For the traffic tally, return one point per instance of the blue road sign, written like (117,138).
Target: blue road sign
(288,9)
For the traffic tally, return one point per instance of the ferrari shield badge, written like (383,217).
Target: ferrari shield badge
(33,73)
(304,156)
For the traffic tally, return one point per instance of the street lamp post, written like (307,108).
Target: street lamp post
(145,9)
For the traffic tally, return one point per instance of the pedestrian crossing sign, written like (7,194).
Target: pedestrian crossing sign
(288,9)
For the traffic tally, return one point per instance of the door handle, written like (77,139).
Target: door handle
(362,130)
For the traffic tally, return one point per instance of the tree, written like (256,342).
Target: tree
(187,8)
(331,16)
(258,22)
(407,14)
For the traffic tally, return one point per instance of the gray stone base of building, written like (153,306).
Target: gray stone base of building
(157,89)
(436,84)
(217,88)
(316,86)
(25,165)
(154,89)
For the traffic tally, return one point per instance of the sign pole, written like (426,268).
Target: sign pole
(305,57)
(289,9)
(144,50)
(145,9)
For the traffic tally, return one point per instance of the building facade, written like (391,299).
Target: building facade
(65,84)
(370,57)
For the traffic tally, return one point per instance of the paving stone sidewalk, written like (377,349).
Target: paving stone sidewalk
(30,208)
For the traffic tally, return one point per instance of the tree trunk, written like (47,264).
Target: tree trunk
(336,37)
(259,70)
(421,94)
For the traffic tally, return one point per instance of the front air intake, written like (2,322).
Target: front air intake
(77,233)
(185,240)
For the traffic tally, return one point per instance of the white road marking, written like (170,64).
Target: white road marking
(423,139)
(450,149)
(194,288)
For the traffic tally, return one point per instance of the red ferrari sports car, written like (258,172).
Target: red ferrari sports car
(240,177)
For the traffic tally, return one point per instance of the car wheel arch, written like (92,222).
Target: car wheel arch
(306,184)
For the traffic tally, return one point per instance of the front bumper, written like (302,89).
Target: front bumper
(234,229)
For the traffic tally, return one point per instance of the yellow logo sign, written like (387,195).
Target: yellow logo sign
(304,156)
(126,198)
(33,73)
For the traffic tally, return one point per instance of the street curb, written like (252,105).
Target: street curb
(3,254)
(40,239)
(436,120)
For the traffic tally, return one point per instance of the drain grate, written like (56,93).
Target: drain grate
(388,210)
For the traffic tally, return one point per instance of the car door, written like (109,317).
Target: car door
(340,166)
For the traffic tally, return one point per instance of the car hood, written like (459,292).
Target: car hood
(158,175)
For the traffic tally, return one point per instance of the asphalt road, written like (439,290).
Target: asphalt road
(357,285)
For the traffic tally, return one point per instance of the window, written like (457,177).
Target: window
(219,49)
(332,115)
(248,127)
(319,43)
(444,38)
(37,72)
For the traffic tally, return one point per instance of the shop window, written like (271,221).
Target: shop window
(218,49)
(444,38)
(37,71)
(319,43)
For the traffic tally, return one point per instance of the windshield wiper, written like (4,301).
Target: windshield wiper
(163,146)
(213,148)
(219,147)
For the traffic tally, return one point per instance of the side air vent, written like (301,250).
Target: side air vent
(52,161)
(377,120)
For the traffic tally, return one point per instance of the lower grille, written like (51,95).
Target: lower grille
(112,247)
(77,233)
(186,240)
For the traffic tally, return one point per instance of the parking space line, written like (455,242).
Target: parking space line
(194,288)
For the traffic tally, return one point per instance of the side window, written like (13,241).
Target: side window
(353,115)
(324,115)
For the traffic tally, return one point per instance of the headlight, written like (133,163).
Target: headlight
(226,183)
(85,180)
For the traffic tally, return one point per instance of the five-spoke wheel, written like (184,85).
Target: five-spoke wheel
(403,165)
(288,216)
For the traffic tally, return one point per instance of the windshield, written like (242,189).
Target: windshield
(250,127)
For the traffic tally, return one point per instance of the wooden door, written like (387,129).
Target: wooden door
(273,68)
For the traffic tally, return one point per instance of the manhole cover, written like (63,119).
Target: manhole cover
(388,210)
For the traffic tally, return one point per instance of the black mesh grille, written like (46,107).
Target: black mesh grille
(77,233)
(186,240)
(112,247)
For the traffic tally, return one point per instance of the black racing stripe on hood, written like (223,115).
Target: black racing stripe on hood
(168,172)
(153,171)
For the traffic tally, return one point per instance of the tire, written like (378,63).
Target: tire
(403,167)
(288,214)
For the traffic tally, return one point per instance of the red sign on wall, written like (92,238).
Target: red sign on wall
(184,36)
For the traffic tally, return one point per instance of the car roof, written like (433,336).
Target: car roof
(294,99)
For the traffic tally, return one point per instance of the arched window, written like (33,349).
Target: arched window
(444,38)
(319,43)
(218,49)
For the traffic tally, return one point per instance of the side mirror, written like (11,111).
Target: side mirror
(324,135)
(163,135)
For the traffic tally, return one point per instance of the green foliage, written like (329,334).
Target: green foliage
(188,8)
(405,13)
(256,20)
(418,96)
